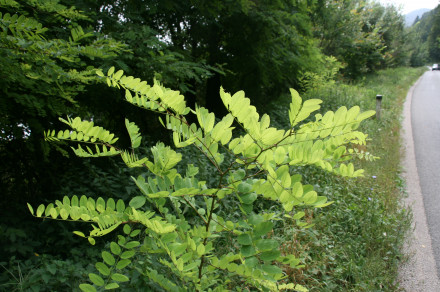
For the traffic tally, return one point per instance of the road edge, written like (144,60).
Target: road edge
(419,272)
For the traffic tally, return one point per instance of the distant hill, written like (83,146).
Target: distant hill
(410,17)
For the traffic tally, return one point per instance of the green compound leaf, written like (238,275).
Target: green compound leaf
(122,264)
(128,254)
(200,249)
(102,268)
(64,214)
(115,248)
(120,278)
(97,280)
(127,229)
(132,244)
(120,206)
(87,288)
(30,209)
(112,286)
(110,71)
(111,204)
(53,213)
(40,210)
(108,258)
(133,131)
(135,233)
(79,233)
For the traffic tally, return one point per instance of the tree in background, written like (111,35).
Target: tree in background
(235,44)
(47,59)
(364,36)
(391,28)
(434,36)
(422,43)
(49,50)
(156,53)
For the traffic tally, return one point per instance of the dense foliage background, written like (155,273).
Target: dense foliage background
(50,50)
(424,34)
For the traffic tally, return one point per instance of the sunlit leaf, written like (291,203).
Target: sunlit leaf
(119,277)
(128,254)
(102,268)
(122,264)
(137,202)
(97,280)
(111,286)
(115,248)
(108,258)
(87,288)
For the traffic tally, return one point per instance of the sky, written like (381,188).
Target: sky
(411,5)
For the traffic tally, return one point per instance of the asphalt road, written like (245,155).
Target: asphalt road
(421,141)
(425,112)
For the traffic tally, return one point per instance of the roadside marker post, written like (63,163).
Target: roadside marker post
(378,105)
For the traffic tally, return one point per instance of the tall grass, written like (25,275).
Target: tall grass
(355,243)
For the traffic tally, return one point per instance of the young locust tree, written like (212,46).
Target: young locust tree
(181,221)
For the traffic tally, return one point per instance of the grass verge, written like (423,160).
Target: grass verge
(356,243)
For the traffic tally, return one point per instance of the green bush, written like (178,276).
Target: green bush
(182,233)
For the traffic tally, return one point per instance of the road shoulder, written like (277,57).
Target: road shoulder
(419,272)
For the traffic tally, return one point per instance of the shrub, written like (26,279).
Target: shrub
(181,233)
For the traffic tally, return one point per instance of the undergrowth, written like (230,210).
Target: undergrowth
(355,244)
